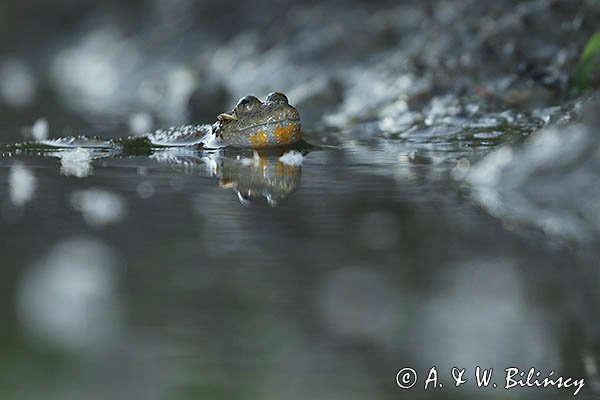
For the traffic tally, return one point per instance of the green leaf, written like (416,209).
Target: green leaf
(588,63)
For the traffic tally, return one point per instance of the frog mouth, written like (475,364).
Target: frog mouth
(226,117)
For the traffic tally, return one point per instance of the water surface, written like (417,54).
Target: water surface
(138,277)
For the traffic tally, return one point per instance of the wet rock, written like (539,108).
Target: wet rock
(550,182)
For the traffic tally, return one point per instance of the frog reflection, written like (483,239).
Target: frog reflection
(271,177)
(253,175)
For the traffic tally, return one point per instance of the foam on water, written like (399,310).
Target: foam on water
(293,158)
(76,162)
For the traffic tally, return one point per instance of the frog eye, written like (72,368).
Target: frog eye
(248,103)
(277,97)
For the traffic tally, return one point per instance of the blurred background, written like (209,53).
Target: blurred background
(144,64)
(450,217)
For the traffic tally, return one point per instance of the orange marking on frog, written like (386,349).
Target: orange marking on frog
(284,135)
(259,139)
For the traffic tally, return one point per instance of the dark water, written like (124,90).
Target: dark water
(152,279)
(398,243)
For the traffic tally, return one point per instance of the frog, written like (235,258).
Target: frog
(256,124)
(251,124)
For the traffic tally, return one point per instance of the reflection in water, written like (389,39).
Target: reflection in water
(273,175)
(260,177)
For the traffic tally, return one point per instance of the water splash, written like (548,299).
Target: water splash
(76,162)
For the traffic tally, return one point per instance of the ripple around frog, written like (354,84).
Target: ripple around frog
(252,175)
(272,174)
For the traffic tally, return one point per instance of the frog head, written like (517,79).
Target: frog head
(256,124)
